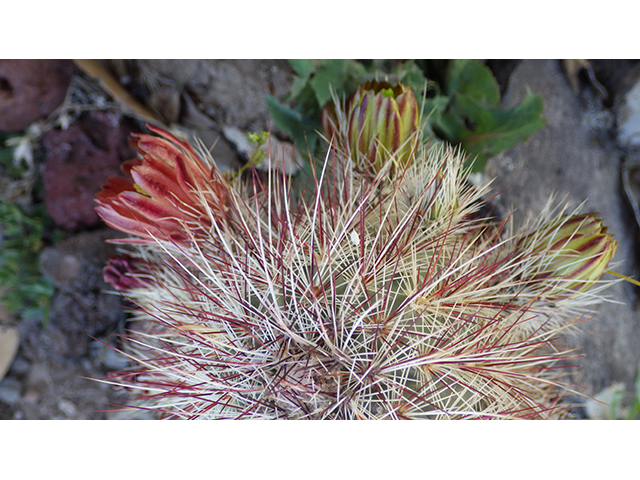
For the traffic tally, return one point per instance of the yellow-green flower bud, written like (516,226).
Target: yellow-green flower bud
(574,249)
(380,121)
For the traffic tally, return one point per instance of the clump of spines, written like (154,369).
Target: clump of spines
(379,294)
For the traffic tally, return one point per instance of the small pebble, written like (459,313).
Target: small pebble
(599,407)
(32,395)
(68,408)
(9,391)
(114,360)
(20,366)
(108,356)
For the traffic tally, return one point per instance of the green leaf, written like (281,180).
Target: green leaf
(284,117)
(301,92)
(432,110)
(486,131)
(410,75)
(7,167)
(615,402)
(302,130)
(637,392)
(330,74)
(356,74)
(6,154)
(302,67)
(298,87)
(472,78)
(42,288)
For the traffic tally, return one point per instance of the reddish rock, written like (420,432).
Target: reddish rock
(30,90)
(78,162)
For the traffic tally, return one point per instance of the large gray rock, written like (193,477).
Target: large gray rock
(565,159)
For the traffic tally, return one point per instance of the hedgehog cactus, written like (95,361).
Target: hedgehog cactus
(377,294)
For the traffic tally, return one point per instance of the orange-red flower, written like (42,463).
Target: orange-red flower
(170,193)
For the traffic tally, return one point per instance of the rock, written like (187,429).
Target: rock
(229,92)
(10,391)
(564,159)
(76,263)
(75,318)
(20,366)
(599,407)
(611,75)
(201,128)
(628,111)
(232,92)
(61,388)
(62,269)
(78,162)
(205,95)
(30,90)
(165,80)
(109,356)
(9,344)
(38,380)
(67,408)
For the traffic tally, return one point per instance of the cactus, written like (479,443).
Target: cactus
(381,293)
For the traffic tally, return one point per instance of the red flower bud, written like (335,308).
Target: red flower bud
(121,272)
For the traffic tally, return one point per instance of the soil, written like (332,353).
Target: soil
(54,373)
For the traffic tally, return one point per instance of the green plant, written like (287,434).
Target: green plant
(473,118)
(16,178)
(462,107)
(22,287)
(634,407)
(25,228)
(8,169)
(316,81)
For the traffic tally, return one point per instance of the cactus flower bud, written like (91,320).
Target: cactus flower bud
(382,120)
(121,272)
(575,249)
